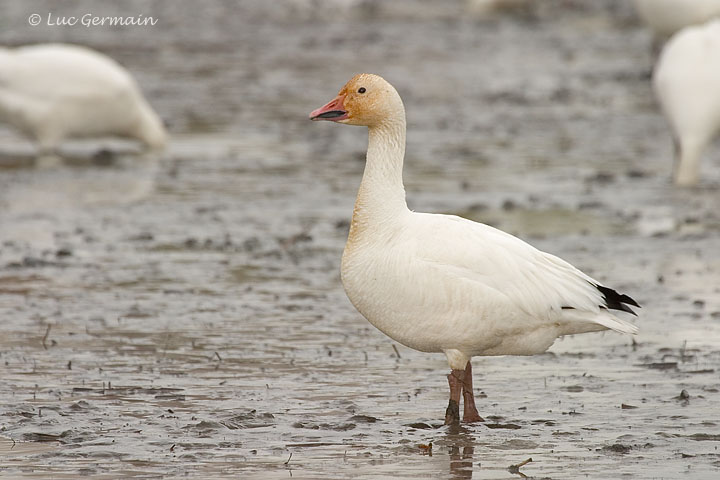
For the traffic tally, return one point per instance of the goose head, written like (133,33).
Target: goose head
(366,100)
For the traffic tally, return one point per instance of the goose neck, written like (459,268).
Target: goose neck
(382,190)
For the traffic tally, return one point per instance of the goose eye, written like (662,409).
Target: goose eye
(362,90)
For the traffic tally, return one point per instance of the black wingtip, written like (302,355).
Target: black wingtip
(617,301)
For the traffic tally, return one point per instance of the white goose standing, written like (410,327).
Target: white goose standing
(665,17)
(52,92)
(686,80)
(441,283)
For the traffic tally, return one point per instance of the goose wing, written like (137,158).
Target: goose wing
(542,285)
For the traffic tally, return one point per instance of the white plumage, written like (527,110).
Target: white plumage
(440,283)
(665,17)
(52,92)
(687,84)
(444,283)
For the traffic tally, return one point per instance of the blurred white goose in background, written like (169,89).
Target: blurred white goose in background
(687,84)
(665,17)
(441,283)
(52,92)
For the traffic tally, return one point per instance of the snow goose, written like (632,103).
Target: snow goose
(51,92)
(665,17)
(441,283)
(686,82)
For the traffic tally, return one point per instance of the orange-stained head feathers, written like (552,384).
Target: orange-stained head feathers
(366,99)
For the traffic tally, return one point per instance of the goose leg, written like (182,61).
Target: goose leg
(470,413)
(455,380)
(48,149)
(48,158)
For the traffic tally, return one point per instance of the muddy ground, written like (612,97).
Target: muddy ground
(185,318)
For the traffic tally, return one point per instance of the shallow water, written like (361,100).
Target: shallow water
(186,318)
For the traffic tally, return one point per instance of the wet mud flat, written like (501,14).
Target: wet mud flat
(185,317)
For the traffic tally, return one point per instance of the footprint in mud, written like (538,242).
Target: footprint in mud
(251,419)
(351,424)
